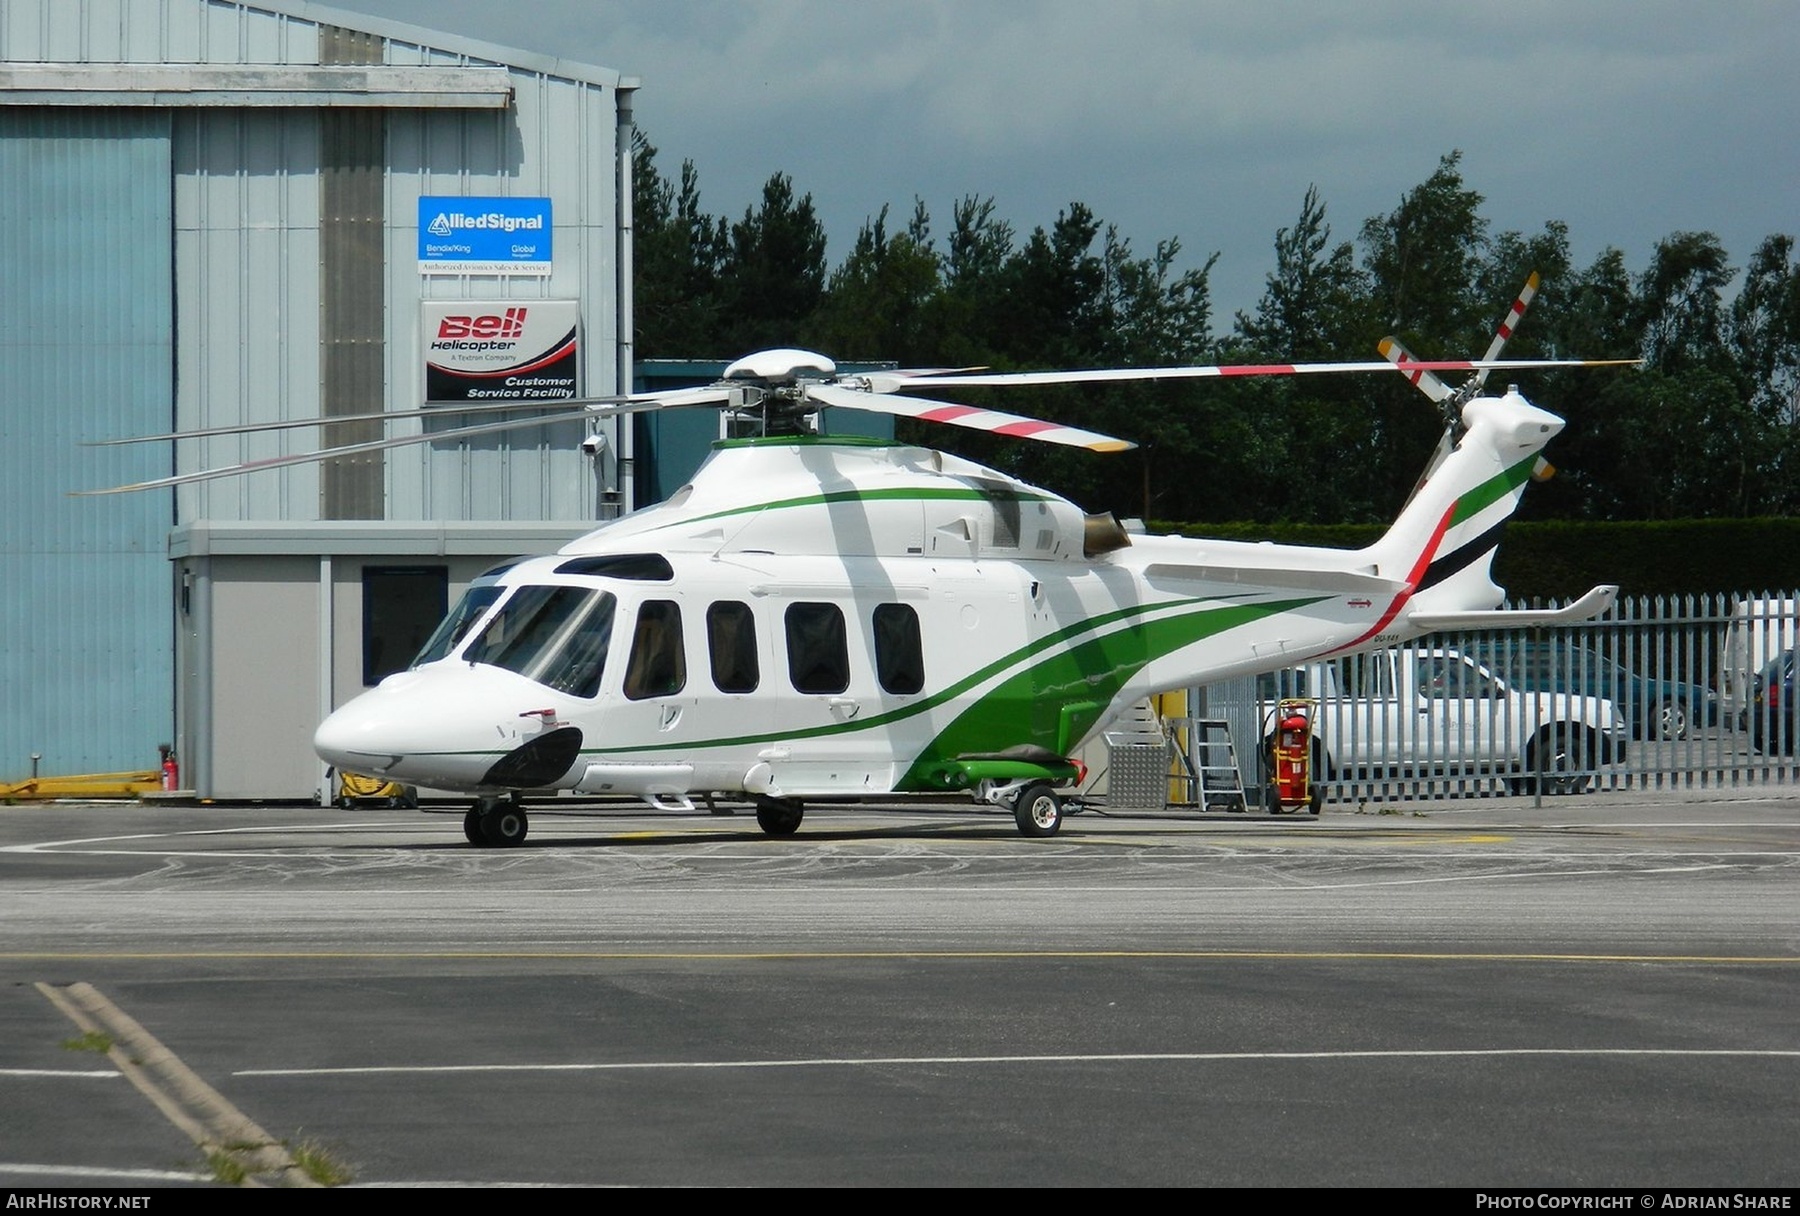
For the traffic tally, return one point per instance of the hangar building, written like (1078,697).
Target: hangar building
(219,214)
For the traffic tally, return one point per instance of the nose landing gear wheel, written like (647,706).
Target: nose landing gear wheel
(496,822)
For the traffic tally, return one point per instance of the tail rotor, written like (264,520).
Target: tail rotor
(1450,401)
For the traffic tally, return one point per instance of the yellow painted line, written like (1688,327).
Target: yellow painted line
(882,955)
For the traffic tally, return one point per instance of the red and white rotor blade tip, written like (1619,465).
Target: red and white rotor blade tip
(888,382)
(1507,326)
(993,421)
(1413,367)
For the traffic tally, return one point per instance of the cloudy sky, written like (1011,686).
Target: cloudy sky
(1207,120)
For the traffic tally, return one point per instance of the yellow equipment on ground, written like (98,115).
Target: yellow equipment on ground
(355,789)
(83,786)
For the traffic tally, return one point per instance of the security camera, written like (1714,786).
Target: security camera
(593,445)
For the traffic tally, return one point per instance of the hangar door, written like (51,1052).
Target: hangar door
(86,353)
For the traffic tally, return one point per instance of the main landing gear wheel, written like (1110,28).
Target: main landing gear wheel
(779,816)
(497,822)
(1037,810)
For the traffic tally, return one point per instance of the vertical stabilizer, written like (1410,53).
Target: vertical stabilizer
(1443,543)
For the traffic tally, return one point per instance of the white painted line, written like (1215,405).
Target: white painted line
(1115,1058)
(83,1075)
(96,1173)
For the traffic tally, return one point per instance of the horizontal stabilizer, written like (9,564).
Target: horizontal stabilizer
(1334,582)
(1587,607)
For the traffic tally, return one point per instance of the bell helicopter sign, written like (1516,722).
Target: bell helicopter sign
(508,236)
(505,350)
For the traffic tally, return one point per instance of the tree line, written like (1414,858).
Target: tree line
(1709,427)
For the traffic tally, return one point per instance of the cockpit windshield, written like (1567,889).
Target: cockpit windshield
(474,603)
(557,636)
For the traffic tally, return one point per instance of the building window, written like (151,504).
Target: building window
(402,605)
(731,640)
(899,654)
(818,654)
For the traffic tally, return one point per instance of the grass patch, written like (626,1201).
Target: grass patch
(226,1168)
(317,1163)
(91,1040)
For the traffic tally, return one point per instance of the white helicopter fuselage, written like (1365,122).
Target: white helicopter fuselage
(828,618)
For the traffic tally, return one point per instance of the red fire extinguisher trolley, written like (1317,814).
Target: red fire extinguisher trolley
(1290,758)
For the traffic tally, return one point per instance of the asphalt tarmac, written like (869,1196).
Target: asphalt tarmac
(1587,992)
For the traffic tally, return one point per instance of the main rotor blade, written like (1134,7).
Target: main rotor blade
(993,421)
(641,401)
(888,382)
(688,397)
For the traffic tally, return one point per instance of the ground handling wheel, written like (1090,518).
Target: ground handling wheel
(1037,810)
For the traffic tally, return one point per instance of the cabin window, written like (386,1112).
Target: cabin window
(401,604)
(653,567)
(455,627)
(731,643)
(658,666)
(899,654)
(558,636)
(818,652)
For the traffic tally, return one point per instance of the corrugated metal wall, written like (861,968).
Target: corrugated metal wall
(557,142)
(85,353)
(252,239)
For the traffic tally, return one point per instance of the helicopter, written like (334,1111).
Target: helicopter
(832,619)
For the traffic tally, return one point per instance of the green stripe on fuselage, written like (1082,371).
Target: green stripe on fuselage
(1493,490)
(1088,673)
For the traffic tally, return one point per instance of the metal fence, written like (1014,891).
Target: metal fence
(1661,692)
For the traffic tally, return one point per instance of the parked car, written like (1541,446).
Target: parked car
(1655,709)
(1774,714)
(1433,710)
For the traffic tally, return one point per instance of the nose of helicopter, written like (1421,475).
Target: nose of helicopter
(370,734)
(456,733)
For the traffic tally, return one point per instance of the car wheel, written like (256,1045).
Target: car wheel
(1671,720)
(1560,770)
